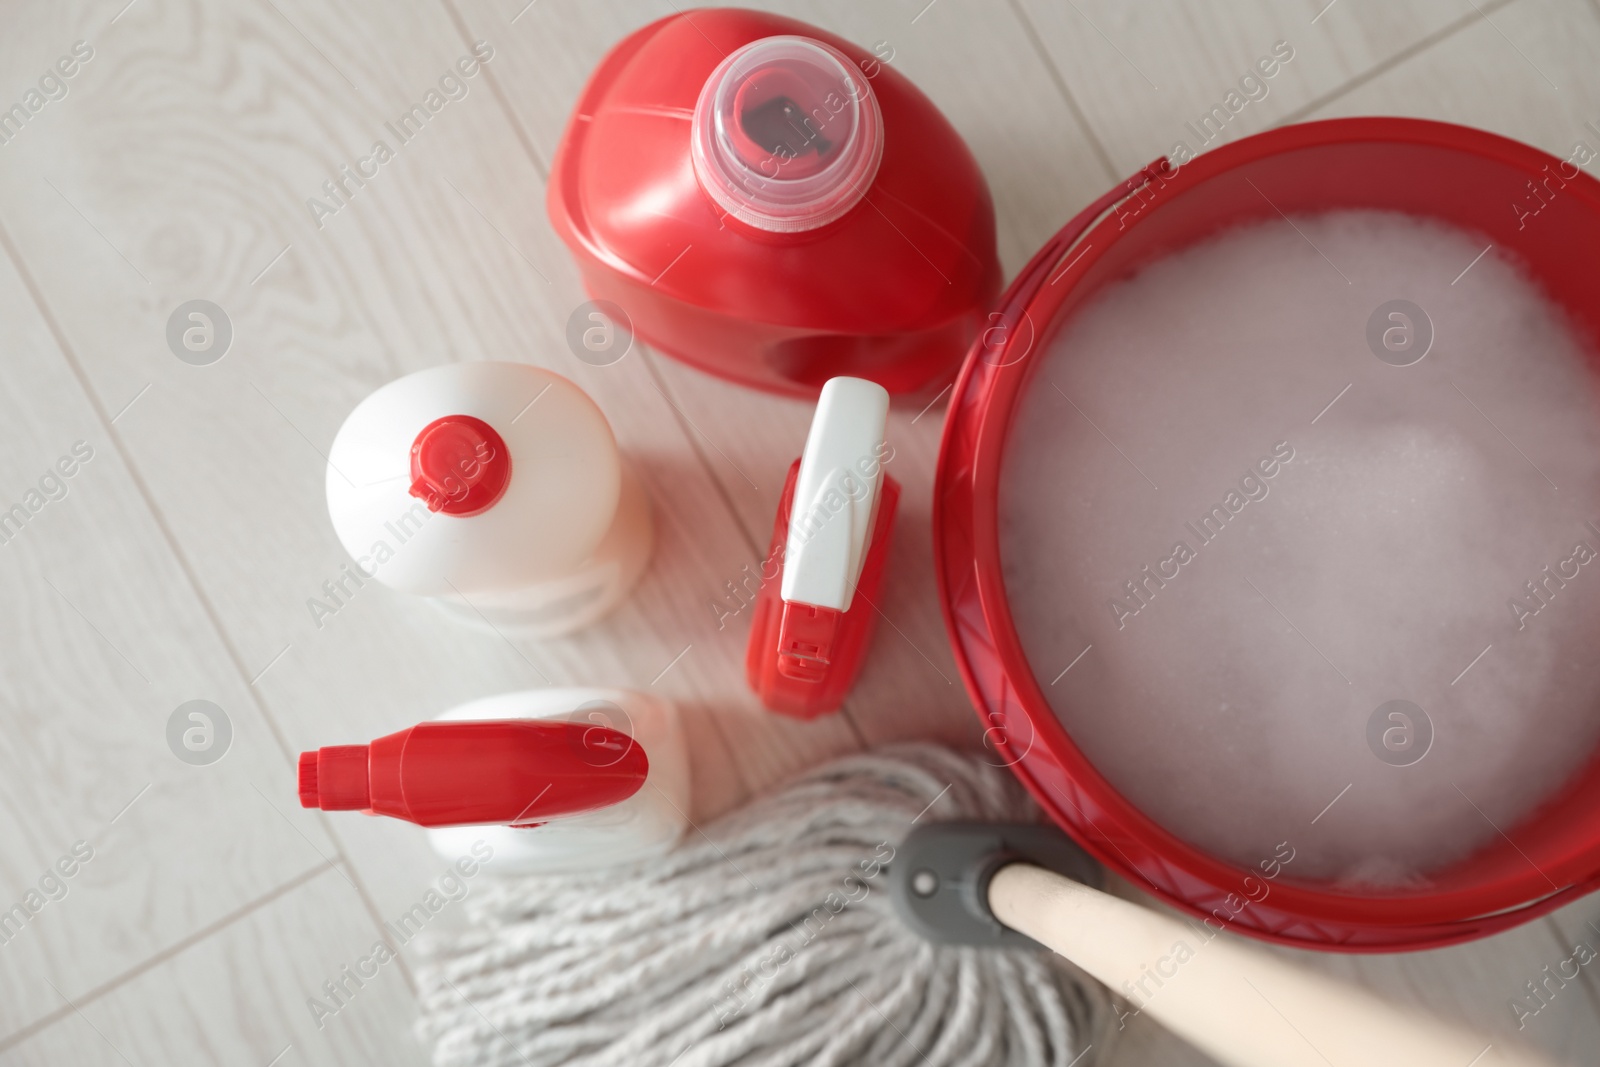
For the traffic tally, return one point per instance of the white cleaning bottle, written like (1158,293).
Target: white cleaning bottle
(497,490)
(646,824)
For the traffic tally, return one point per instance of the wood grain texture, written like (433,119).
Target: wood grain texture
(240,997)
(179,165)
(106,638)
(445,255)
(1142,72)
(1526,72)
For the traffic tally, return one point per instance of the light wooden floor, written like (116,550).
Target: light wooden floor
(179,563)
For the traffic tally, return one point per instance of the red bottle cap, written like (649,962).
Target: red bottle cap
(459,465)
(516,772)
(803,659)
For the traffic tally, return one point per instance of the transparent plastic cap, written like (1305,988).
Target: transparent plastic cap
(787,135)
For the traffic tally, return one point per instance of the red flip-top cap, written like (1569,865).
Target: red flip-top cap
(516,772)
(814,616)
(459,465)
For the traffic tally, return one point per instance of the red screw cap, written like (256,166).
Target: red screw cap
(459,465)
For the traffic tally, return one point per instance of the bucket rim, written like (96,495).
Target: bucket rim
(1002,685)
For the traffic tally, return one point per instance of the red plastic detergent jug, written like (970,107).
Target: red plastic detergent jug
(772,204)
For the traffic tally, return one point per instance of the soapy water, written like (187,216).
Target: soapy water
(1332,591)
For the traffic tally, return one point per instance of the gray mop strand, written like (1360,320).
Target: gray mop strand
(766,939)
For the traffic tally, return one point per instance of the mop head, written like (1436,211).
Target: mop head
(766,937)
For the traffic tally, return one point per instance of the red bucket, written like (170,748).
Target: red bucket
(1465,177)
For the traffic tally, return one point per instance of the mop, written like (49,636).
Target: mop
(887,909)
(767,937)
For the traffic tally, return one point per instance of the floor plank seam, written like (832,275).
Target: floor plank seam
(15,1038)
(1383,67)
(70,356)
(1031,32)
(751,541)
(363,894)
(524,136)
(1586,978)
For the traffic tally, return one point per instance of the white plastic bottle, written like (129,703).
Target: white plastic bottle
(646,824)
(497,490)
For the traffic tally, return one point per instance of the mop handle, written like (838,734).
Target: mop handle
(1241,1006)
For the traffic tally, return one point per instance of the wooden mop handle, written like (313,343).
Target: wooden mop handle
(1243,1007)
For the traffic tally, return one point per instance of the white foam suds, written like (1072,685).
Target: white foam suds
(1353,533)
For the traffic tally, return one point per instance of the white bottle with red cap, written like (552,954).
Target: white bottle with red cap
(495,489)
